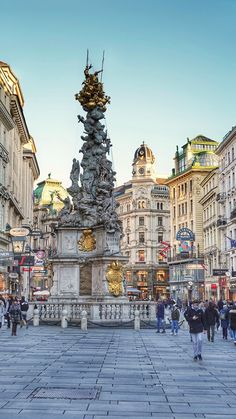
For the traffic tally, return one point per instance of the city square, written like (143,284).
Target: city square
(114,372)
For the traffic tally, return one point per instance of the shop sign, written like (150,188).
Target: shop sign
(185,234)
(142,284)
(213,286)
(13,275)
(19,232)
(25,260)
(219,272)
(6,255)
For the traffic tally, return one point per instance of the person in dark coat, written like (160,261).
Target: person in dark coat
(24,306)
(211,318)
(232,321)
(196,320)
(220,304)
(224,321)
(15,314)
(160,314)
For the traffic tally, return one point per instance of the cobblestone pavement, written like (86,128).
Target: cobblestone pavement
(49,372)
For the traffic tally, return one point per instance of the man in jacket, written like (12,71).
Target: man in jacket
(24,306)
(196,320)
(160,314)
(175,315)
(211,318)
(232,321)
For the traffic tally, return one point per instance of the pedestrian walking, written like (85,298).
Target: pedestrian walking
(224,321)
(160,315)
(175,316)
(186,311)
(232,321)
(15,314)
(9,302)
(2,313)
(196,321)
(24,307)
(220,304)
(211,319)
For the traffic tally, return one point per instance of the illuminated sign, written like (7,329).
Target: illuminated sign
(185,234)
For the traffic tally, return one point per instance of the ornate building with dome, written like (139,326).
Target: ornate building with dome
(144,212)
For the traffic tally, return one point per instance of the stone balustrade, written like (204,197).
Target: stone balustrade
(97,312)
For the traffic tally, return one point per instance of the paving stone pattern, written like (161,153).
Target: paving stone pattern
(114,373)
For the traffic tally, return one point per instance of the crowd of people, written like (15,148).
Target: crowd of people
(13,311)
(202,317)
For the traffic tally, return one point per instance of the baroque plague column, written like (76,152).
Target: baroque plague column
(88,263)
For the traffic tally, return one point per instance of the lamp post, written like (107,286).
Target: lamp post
(18,240)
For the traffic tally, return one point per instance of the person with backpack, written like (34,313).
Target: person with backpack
(224,321)
(24,307)
(175,315)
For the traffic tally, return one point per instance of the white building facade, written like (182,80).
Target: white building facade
(144,212)
(227,199)
(18,167)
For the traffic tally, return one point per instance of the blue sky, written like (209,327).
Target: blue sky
(169,69)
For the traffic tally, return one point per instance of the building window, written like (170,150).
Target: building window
(233,153)
(141,221)
(173,212)
(141,204)
(160,237)
(173,192)
(141,238)
(160,276)
(128,207)
(191,185)
(128,239)
(191,205)
(128,276)
(141,256)
(128,222)
(160,221)
(159,205)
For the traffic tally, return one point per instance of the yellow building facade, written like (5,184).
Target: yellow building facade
(186,261)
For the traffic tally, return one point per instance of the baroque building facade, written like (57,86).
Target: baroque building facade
(18,168)
(144,212)
(186,259)
(227,213)
(48,201)
(215,263)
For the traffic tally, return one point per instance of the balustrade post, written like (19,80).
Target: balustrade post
(95,314)
(64,320)
(84,321)
(136,320)
(36,317)
(152,308)
(125,312)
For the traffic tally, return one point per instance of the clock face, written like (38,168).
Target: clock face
(141,170)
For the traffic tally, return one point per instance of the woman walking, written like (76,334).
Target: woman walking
(15,314)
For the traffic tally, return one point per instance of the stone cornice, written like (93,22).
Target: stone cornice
(18,115)
(27,154)
(5,117)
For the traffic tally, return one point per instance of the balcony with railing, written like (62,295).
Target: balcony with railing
(221,197)
(221,222)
